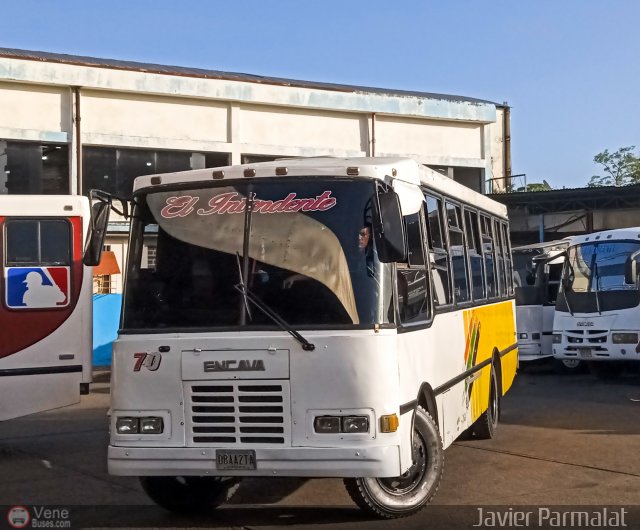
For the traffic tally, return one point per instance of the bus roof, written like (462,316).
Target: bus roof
(545,246)
(632,233)
(44,205)
(382,168)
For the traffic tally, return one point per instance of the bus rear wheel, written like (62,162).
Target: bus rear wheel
(486,425)
(189,495)
(389,498)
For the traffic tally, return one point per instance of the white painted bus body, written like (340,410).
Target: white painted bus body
(45,352)
(599,320)
(372,373)
(534,318)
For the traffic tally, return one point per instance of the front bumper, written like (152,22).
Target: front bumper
(377,461)
(601,352)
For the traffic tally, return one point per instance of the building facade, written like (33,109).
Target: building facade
(69,124)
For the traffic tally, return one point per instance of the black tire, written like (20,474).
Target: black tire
(390,498)
(606,370)
(567,366)
(189,495)
(486,425)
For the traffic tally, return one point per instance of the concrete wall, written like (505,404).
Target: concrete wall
(140,109)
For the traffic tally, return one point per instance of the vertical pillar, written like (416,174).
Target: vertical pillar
(541,228)
(233,133)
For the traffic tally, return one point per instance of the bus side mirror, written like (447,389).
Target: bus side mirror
(630,271)
(99,221)
(388,227)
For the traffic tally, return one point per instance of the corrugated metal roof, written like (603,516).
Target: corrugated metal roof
(216,74)
(567,199)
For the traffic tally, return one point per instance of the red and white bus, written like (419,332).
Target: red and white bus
(46,306)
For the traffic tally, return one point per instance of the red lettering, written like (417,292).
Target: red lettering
(216,204)
(179,206)
(227,203)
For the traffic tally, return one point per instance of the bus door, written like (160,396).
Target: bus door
(45,312)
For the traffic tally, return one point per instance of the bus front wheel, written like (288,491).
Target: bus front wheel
(389,498)
(189,495)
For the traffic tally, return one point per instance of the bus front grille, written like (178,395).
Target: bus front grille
(244,413)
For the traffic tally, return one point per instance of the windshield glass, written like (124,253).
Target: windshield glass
(593,278)
(310,257)
(595,267)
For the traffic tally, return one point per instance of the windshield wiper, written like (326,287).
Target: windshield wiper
(595,271)
(248,295)
(242,282)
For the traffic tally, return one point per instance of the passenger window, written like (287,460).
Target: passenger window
(37,242)
(507,257)
(500,261)
(438,255)
(458,254)
(488,250)
(474,248)
(413,287)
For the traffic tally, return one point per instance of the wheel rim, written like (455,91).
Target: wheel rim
(493,406)
(411,478)
(571,363)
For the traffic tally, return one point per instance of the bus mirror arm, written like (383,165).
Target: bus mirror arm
(101,205)
(388,227)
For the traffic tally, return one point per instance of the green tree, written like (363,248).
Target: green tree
(621,167)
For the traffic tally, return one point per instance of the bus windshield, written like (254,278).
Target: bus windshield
(594,278)
(595,267)
(304,248)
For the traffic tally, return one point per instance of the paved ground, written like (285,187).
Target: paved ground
(564,440)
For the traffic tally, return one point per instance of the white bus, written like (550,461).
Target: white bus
(597,316)
(313,318)
(45,312)
(537,270)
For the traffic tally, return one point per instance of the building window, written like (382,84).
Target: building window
(114,170)
(33,168)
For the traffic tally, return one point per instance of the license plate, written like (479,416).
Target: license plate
(585,353)
(228,459)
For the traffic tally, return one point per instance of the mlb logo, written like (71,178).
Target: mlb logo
(37,287)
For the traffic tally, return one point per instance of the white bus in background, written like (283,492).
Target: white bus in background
(597,315)
(45,307)
(537,270)
(312,318)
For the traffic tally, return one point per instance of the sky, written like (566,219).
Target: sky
(567,68)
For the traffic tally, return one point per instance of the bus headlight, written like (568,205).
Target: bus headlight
(327,424)
(355,424)
(557,338)
(127,425)
(522,336)
(624,338)
(340,424)
(151,425)
(144,425)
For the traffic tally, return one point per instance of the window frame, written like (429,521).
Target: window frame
(444,233)
(39,220)
(398,266)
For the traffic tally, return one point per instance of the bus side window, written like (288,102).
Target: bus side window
(458,253)
(500,261)
(507,257)
(474,248)
(553,283)
(438,254)
(413,287)
(38,242)
(488,249)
